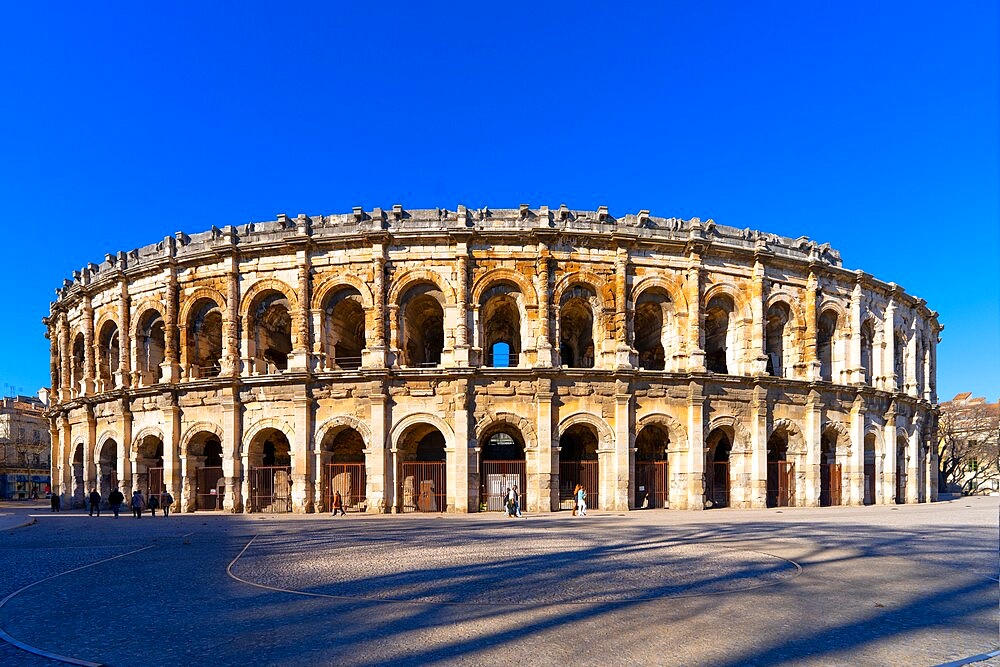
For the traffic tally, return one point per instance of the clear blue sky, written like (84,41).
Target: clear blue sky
(872,126)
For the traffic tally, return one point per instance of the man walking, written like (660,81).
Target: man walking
(95,502)
(137,504)
(115,499)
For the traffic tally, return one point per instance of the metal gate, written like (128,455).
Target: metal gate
(422,487)
(717,484)
(497,477)
(271,489)
(154,481)
(651,485)
(869,484)
(350,479)
(210,488)
(829,484)
(780,484)
(572,473)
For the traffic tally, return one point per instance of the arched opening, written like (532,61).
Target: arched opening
(718,447)
(149,466)
(78,489)
(108,355)
(578,463)
(720,335)
(867,350)
(777,341)
(501,322)
(502,467)
(344,329)
(78,363)
(204,339)
(270,462)
(421,470)
(901,472)
(272,332)
(576,328)
(150,347)
(204,465)
(825,333)
(830,471)
(651,489)
(780,471)
(869,470)
(423,325)
(899,360)
(342,454)
(653,328)
(107,469)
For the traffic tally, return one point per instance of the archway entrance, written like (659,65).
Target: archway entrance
(502,467)
(205,466)
(270,472)
(78,490)
(718,445)
(107,469)
(869,490)
(578,463)
(421,472)
(343,460)
(149,466)
(830,473)
(780,471)
(900,471)
(651,467)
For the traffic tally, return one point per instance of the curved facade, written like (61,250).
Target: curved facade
(426,360)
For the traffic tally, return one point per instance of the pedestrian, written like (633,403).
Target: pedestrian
(514,502)
(581,500)
(576,493)
(56,503)
(338,504)
(115,499)
(95,502)
(137,504)
(153,503)
(166,500)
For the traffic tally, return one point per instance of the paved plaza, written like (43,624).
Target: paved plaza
(890,585)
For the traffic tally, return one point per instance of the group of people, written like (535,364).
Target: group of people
(138,503)
(513,503)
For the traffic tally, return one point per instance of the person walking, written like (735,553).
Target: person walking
(115,499)
(95,502)
(166,501)
(581,500)
(56,502)
(338,504)
(137,504)
(153,503)
(576,492)
(513,502)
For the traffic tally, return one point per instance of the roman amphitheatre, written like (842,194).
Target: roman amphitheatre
(426,360)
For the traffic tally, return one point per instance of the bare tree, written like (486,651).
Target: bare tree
(968,445)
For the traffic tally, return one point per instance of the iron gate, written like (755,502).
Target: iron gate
(154,481)
(422,487)
(780,484)
(869,484)
(651,489)
(572,473)
(210,488)
(271,489)
(350,479)
(717,484)
(497,477)
(829,484)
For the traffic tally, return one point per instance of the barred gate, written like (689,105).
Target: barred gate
(780,484)
(154,481)
(271,489)
(829,484)
(869,484)
(210,488)
(350,479)
(422,487)
(572,473)
(497,477)
(651,489)
(717,484)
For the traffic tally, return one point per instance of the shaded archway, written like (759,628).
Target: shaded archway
(422,336)
(830,469)
(108,355)
(148,476)
(651,486)
(654,329)
(825,343)
(500,318)
(203,347)
(421,470)
(78,490)
(777,341)
(79,356)
(107,468)
(150,347)
(869,470)
(204,468)
(271,332)
(718,447)
(901,471)
(501,467)
(780,471)
(867,350)
(342,457)
(578,462)
(899,359)
(720,335)
(344,329)
(269,464)
(576,327)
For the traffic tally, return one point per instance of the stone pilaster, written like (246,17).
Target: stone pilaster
(886,485)
(857,368)
(298,360)
(381,478)
(625,356)
(623,483)
(856,472)
(693,288)
(461,307)
(123,378)
(759,418)
(809,497)
(810,358)
(89,365)
(542,286)
(171,370)
(374,354)
(888,379)
(66,391)
(461,493)
(545,488)
(303,470)
(232,454)
(690,486)
(757,358)
(230,324)
(172,474)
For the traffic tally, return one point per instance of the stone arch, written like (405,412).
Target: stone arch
(493,420)
(189,301)
(742,308)
(400,427)
(107,315)
(840,427)
(677,430)
(416,276)
(143,434)
(196,428)
(672,287)
(332,283)
(107,434)
(606,436)
(742,442)
(262,425)
(796,440)
(837,307)
(140,309)
(253,292)
(792,302)
(499,275)
(876,431)
(587,279)
(340,421)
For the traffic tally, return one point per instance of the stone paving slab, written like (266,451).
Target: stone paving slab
(914,585)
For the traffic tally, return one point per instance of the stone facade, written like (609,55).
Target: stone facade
(24,448)
(661,362)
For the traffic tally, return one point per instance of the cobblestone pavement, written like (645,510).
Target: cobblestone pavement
(913,585)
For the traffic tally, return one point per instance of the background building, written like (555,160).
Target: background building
(24,448)
(969,445)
